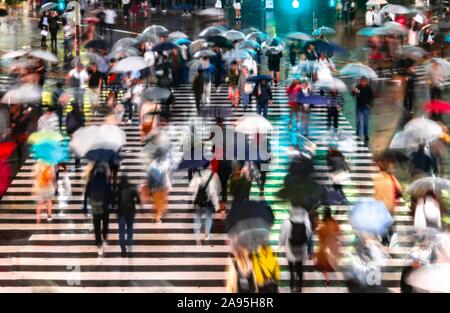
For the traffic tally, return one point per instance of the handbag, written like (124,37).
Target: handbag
(44,33)
(248,88)
(340,177)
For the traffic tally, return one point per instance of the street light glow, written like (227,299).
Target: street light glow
(295,4)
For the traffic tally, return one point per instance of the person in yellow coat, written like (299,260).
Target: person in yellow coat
(387,190)
(266,269)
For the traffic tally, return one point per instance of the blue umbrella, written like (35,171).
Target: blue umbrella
(51,152)
(164,46)
(324,31)
(182,41)
(313,99)
(370,216)
(447,38)
(103,155)
(370,31)
(333,197)
(257,78)
(330,48)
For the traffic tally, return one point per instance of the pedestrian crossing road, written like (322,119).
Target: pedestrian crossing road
(61,256)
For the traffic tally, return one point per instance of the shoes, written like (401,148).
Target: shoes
(100,251)
(129,121)
(207,237)
(163,11)
(104,244)
(49,218)
(123,254)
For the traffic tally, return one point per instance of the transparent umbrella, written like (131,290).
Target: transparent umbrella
(157,30)
(234,35)
(23,94)
(125,43)
(212,31)
(130,64)
(358,70)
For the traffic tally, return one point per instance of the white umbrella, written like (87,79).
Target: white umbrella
(197,45)
(428,183)
(233,35)
(423,130)
(419,18)
(413,52)
(358,70)
(14,54)
(433,278)
(108,137)
(157,30)
(44,55)
(395,28)
(71,5)
(333,84)
(253,123)
(130,64)
(212,31)
(376,2)
(299,36)
(47,6)
(24,94)
(211,12)
(177,34)
(395,9)
(125,43)
(203,53)
(445,66)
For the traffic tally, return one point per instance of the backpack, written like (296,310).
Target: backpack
(266,270)
(202,199)
(244,284)
(298,235)
(156,178)
(72,123)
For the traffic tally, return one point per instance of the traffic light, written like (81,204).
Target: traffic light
(295,4)
(61,5)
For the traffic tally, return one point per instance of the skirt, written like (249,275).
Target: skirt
(237,6)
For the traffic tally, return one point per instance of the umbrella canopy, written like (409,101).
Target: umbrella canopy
(253,123)
(177,34)
(299,36)
(330,48)
(46,7)
(197,45)
(51,152)
(220,41)
(258,78)
(211,12)
(249,210)
(432,278)
(333,84)
(130,64)
(422,185)
(447,38)
(249,44)
(212,31)
(259,37)
(125,43)
(204,53)
(71,5)
(306,68)
(6,149)
(216,111)
(182,41)
(313,99)
(395,9)
(165,46)
(445,66)
(305,193)
(358,70)
(233,55)
(376,2)
(23,94)
(44,55)
(147,37)
(156,30)
(3,12)
(123,53)
(370,216)
(103,155)
(44,135)
(395,28)
(234,35)
(438,106)
(14,54)
(423,130)
(109,137)
(413,52)
(324,31)
(97,44)
(157,94)
(371,31)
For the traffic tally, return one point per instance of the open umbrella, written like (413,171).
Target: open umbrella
(109,137)
(220,41)
(212,31)
(423,130)
(6,149)
(447,38)
(157,94)
(437,106)
(358,70)
(422,185)
(177,34)
(413,52)
(324,31)
(44,55)
(306,68)
(305,193)
(51,152)
(431,278)
(299,36)
(253,123)
(123,53)
(445,66)
(330,48)
(103,155)
(333,84)
(249,44)
(156,30)
(23,94)
(211,12)
(130,64)
(234,35)
(204,53)
(371,31)
(147,37)
(182,41)
(370,216)
(197,45)
(249,223)
(395,28)
(125,43)
(46,7)
(97,44)
(233,55)
(14,54)
(333,197)
(376,2)
(258,78)
(395,9)
(259,37)
(165,46)
(44,135)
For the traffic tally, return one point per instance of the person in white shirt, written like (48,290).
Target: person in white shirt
(76,79)
(49,120)
(110,19)
(369,17)
(68,37)
(377,18)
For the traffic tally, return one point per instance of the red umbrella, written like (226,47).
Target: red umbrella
(6,149)
(5,174)
(438,106)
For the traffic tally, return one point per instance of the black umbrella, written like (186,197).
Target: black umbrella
(3,12)
(333,197)
(164,46)
(216,111)
(103,155)
(220,41)
(156,94)
(308,194)
(249,210)
(328,47)
(98,44)
(257,78)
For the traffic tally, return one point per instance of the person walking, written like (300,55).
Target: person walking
(53,28)
(44,27)
(294,235)
(436,79)
(244,87)
(263,95)
(205,186)
(352,12)
(422,163)
(273,62)
(44,189)
(241,278)
(329,245)
(198,86)
(127,198)
(333,110)
(233,82)
(159,183)
(126,9)
(237,9)
(68,38)
(99,194)
(74,121)
(110,19)
(370,17)
(409,94)
(208,71)
(217,62)
(76,79)
(292,92)
(340,171)
(95,85)
(56,104)
(364,100)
